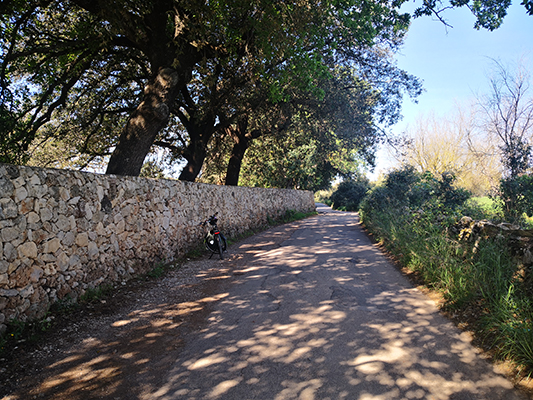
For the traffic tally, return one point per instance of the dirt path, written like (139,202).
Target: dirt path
(123,346)
(307,310)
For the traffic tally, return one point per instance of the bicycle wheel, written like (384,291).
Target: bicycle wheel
(210,243)
(219,246)
(224,242)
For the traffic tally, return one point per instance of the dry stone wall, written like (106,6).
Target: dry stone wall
(62,232)
(519,241)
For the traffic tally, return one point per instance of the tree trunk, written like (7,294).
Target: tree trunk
(147,120)
(235,162)
(196,151)
(242,141)
(195,155)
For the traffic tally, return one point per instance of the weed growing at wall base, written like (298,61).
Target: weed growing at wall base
(24,331)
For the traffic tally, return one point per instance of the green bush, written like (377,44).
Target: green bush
(412,214)
(349,194)
(517,196)
(407,191)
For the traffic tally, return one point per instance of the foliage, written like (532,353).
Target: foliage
(291,163)
(96,294)
(24,331)
(484,208)
(407,189)
(122,68)
(151,169)
(349,194)
(324,196)
(516,194)
(157,272)
(109,78)
(489,14)
(11,151)
(327,125)
(480,279)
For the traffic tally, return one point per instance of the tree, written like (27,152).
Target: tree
(489,14)
(325,130)
(453,144)
(508,114)
(55,45)
(349,194)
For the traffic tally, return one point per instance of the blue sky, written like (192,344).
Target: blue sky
(455,63)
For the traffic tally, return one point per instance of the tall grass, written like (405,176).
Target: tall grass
(484,277)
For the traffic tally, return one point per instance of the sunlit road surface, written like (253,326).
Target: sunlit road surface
(325,316)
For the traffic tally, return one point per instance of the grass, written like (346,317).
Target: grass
(158,271)
(484,278)
(24,331)
(95,294)
(485,208)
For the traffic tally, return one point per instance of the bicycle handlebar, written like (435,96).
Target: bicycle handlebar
(212,220)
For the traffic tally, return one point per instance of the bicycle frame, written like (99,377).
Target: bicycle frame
(214,240)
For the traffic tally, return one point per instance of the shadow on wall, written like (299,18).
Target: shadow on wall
(62,232)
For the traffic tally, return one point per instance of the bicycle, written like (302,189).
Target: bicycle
(214,240)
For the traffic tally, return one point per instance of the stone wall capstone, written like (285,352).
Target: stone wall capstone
(62,232)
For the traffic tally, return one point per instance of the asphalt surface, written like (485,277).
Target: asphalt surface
(326,316)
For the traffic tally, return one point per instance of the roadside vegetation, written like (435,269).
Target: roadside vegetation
(414,216)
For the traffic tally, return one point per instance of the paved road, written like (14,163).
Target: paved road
(325,316)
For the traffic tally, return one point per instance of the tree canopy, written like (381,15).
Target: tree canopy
(113,78)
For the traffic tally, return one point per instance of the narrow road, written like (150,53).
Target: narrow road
(325,316)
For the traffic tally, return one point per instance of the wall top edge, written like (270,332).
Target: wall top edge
(7,168)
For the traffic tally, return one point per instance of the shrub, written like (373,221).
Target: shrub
(408,191)
(517,196)
(349,194)
(412,214)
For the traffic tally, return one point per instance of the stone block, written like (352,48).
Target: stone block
(36,274)
(63,223)
(21,193)
(92,251)
(9,292)
(64,194)
(6,186)
(27,250)
(13,266)
(62,261)
(48,258)
(27,291)
(11,234)
(26,205)
(4,265)
(33,217)
(46,214)
(82,239)
(69,239)
(34,180)
(52,245)
(9,208)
